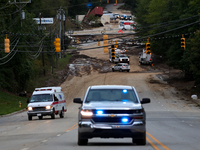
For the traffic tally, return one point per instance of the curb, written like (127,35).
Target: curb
(13,113)
(196,101)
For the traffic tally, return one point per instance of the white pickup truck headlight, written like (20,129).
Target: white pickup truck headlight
(86,114)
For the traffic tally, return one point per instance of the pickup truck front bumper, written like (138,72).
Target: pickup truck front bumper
(89,130)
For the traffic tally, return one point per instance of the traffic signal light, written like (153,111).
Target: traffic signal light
(57,44)
(112,51)
(77,40)
(183,43)
(7,45)
(116,44)
(148,47)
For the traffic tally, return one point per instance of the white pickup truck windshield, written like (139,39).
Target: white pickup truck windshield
(111,95)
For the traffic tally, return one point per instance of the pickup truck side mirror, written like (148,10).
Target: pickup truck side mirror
(78,100)
(145,100)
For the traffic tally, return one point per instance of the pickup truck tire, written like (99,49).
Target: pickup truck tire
(82,141)
(128,70)
(29,117)
(140,141)
(113,70)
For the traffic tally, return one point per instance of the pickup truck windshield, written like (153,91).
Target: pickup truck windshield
(111,95)
(41,98)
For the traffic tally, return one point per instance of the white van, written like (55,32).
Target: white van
(46,101)
(126,25)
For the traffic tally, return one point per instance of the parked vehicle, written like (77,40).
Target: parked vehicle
(116,16)
(121,67)
(111,111)
(128,18)
(126,25)
(145,58)
(46,101)
(121,17)
(119,57)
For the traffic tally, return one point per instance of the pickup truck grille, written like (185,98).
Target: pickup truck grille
(110,120)
(119,111)
(39,108)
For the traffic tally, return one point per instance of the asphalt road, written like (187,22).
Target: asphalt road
(171,123)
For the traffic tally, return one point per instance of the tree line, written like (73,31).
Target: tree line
(19,70)
(173,18)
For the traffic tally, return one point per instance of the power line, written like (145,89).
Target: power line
(5,6)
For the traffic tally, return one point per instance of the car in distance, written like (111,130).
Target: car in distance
(121,67)
(116,16)
(121,58)
(121,17)
(111,111)
(128,18)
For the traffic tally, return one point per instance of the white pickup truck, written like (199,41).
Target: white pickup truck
(119,58)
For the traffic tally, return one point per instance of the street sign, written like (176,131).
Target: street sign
(44,20)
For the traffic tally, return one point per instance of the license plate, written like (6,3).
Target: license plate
(39,114)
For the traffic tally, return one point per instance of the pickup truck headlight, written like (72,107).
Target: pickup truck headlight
(48,107)
(30,108)
(86,114)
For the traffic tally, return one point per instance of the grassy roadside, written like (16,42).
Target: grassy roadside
(9,103)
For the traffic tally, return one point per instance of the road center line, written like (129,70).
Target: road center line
(152,144)
(165,147)
(71,127)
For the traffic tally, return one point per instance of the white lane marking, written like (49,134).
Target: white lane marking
(191,125)
(25,149)
(44,141)
(59,135)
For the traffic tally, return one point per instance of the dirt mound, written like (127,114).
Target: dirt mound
(79,65)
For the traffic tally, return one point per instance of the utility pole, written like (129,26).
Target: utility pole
(64,19)
(61,17)
(18,4)
(43,64)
